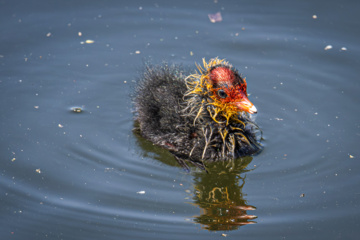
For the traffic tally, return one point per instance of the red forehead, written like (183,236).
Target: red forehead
(222,75)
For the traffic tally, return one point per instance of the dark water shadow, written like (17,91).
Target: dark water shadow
(217,192)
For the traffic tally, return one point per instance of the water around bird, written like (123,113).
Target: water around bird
(72,168)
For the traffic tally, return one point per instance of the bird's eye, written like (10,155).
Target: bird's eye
(222,93)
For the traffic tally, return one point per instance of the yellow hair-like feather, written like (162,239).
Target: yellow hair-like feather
(199,84)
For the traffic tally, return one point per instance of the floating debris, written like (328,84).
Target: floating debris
(79,34)
(13,160)
(215,17)
(109,169)
(224,235)
(77,109)
(351,156)
(36,107)
(302,195)
(60,125)
(343,49)
(314,16)
(328,47)
(89,41)
(48,34)
(137,52)
(38,170)
(140,192)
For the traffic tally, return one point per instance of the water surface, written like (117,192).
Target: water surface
(86,175)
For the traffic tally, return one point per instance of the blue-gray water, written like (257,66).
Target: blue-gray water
(67,175)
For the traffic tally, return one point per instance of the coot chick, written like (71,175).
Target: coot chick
(204,116)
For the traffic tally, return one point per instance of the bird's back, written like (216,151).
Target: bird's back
(159,99)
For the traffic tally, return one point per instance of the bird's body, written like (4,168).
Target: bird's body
(198,117)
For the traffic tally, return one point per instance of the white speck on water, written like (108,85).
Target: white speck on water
(328,47)
(89,41)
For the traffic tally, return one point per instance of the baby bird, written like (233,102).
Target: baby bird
(204,116)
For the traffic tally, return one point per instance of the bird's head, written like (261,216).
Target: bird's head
(229,89)
(223,88)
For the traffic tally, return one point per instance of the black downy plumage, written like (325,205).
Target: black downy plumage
(199,117)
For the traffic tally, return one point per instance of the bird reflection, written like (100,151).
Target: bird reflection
(219,195)
(217,191)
